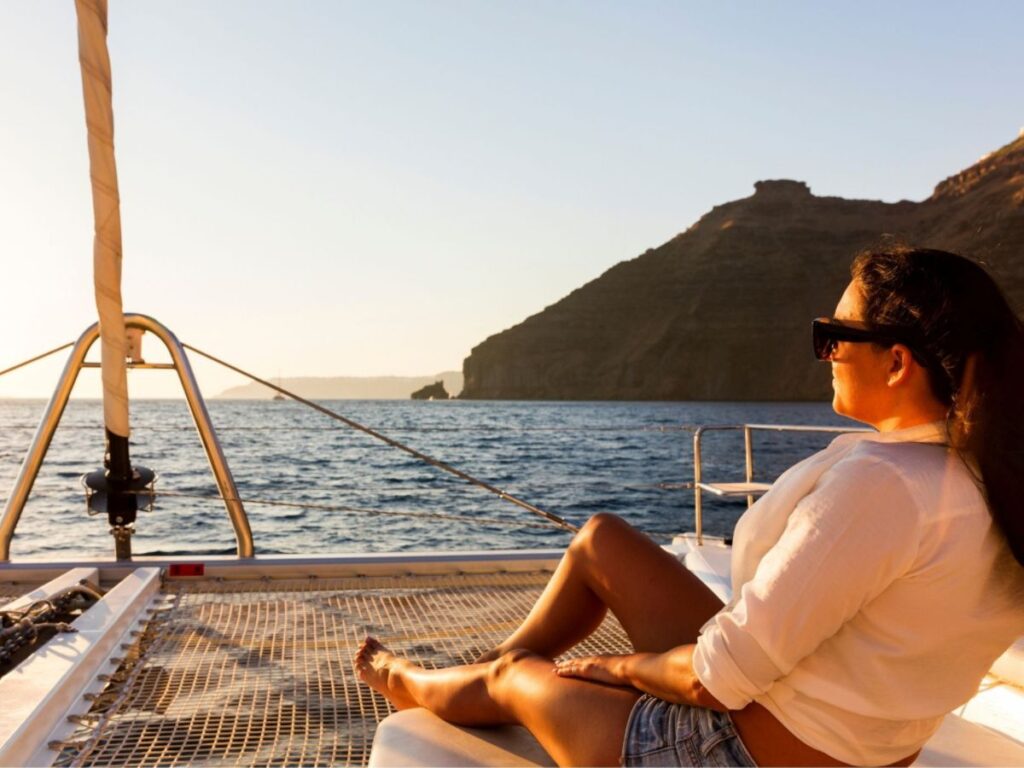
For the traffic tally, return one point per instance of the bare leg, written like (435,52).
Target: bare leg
(610,565)
(576,721)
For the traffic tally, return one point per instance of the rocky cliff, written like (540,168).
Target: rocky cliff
(723,310)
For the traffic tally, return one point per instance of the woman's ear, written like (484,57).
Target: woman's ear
(901,360)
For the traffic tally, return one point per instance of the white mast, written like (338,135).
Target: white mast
(99,119)
(121,503)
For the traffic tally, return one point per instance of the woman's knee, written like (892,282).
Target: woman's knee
(509,664)
(512,678)
(598,532)
(505,663)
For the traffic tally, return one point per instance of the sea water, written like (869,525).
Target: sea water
(312,485)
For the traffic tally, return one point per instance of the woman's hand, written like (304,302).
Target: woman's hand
(602,669)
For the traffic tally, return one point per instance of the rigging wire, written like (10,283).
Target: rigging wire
(550,516)
(344,508)
(23,363)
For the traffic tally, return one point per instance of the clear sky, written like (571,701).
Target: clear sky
(368,188)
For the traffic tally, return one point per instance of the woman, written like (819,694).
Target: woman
(873,585)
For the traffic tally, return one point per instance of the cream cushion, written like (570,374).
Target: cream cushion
(415,737)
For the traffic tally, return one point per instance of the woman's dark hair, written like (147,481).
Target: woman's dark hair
(973,345)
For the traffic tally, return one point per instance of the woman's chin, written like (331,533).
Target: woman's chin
(837,404)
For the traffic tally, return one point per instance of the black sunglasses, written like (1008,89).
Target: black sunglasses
(827,333)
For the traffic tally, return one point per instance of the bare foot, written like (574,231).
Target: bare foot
(380,669)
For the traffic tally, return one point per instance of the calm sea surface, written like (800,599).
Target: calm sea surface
(574,459)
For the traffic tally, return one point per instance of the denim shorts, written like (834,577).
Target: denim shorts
(660,733)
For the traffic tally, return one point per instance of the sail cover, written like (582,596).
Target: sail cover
(99,119)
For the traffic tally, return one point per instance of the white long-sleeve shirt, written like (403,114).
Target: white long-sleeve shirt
(871,592)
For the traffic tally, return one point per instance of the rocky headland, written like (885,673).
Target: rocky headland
(723,310)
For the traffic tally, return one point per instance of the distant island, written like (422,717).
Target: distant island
(723,310)
(348,387)
(435,391)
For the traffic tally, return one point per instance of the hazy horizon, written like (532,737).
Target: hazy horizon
(335,189)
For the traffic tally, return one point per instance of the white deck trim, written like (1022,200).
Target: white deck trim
(40,693)
(301,566)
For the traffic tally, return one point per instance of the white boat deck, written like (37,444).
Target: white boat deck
(250,665)
(257,672)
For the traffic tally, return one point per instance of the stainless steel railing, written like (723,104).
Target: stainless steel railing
(749,487)
(55,409)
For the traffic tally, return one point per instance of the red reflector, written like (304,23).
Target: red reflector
(187,569)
